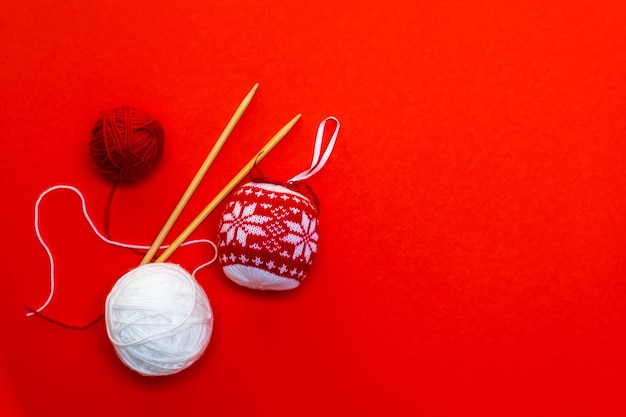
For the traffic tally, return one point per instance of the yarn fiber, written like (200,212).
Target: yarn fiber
(159,319)
(126,143)
(268,237)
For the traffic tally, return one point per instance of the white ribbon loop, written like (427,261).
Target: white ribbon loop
(318,163)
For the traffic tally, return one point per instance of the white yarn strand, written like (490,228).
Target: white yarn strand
(100,235)
(318,163)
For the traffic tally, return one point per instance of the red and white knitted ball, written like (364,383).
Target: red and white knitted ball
(268,236)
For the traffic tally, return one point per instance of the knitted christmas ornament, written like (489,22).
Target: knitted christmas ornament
(268,232)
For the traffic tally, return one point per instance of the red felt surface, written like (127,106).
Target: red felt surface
(473,236)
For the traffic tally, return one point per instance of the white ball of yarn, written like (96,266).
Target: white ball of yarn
(159,319)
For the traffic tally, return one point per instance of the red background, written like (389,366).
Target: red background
(473,230)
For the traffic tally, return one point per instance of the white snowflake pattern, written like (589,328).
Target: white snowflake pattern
(241,221)
(304,236)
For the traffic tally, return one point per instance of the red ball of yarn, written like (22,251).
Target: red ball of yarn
(126,143)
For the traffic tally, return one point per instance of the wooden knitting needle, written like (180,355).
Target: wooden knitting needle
(199,176)
(227,190)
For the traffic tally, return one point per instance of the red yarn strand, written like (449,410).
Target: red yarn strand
(107,218)
(65,325)
(107,210)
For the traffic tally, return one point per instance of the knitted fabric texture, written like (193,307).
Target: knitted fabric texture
(268,236)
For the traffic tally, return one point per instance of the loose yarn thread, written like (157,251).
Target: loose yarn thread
(32,312)
(126,143)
